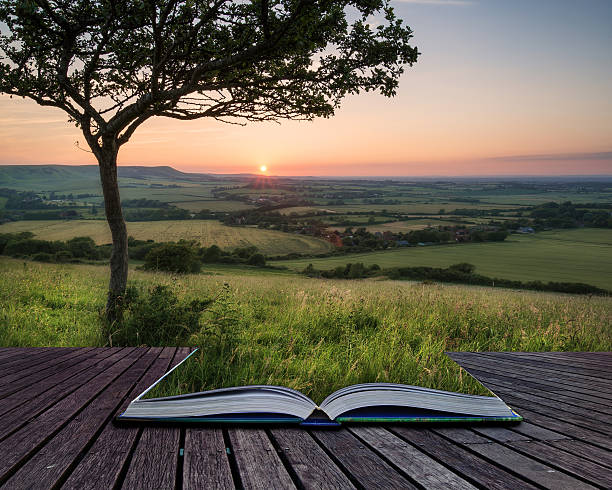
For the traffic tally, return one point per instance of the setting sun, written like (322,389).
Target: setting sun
(263,168)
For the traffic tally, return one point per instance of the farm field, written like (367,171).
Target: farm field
(212,205)
(309,334)
(402,226)
(206,232)
(580,255)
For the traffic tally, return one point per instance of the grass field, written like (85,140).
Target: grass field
(312,335)
(580,255)
(207,232)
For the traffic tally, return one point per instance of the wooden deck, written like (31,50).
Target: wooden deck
(56,406)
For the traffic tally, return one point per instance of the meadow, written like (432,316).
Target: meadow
(206,232)
(309,334)
(579,255)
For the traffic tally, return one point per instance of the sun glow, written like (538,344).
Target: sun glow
(263,168)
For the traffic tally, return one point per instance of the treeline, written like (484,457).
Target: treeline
(569,215)
(77,249)
(462,273)
(182,256)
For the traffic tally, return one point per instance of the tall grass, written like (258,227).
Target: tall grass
(309,334)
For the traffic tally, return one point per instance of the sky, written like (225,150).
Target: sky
(500,88)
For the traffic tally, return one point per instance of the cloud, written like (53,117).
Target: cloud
(455,3)
(601,155)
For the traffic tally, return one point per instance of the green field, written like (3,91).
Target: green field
(308,334)
(206,232)
(578,255)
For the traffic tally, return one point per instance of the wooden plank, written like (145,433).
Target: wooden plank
(536,432)
(27,388)
(526,467)
(259,466)
(537,368)
(563,415)
(12,421)
(21,444)
(20,398)
(54,460)
(555,363)
(31,358)
(155,459)
(364,466)
(482,369)
(586,451)
(7,353)
(102,466)
(312,466)
(531,401)
(412,462)
(157,451)
(578,358)
(578,466)
(460,460)
(500,434)
(567,429)
(205,462)
(31,374)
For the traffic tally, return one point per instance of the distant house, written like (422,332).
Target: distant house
(525,229)
(462,235)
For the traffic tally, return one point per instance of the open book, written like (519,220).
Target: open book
(368,402)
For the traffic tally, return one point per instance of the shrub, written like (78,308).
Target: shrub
(463,267)
(257,260)
(173,257)
(156,319)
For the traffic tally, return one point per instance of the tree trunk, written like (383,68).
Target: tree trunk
(107,160)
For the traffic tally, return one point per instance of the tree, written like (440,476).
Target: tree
(113,65)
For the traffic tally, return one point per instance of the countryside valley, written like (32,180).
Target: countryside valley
(296,280)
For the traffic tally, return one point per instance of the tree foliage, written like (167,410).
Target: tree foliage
(113,65)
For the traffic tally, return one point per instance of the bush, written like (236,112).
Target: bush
(463,267)
(257,259)
(173,257)
(156,319)
(43,257)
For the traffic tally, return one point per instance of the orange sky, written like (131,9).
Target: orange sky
(479,94)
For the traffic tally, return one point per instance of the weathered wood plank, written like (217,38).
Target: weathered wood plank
(157,452)
(552,364)
(33,390)
(538,433)
(12,421)
(483,369)
(585,451)
(412,462)
(570,463)
(102,466)
(257,461)
(54,460)
(154,461)
(28,359)
(364,465)
(534,401)
(311,465)
(567,429)
(31,374)
(460,460)
(527,468)
(538,370)
(21,444)
(206,464)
